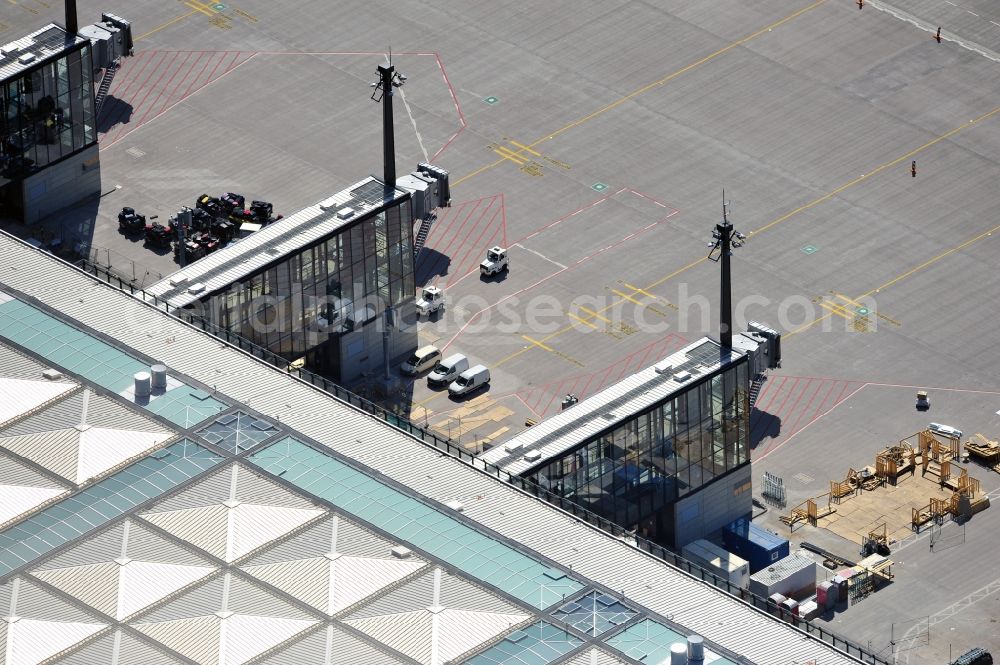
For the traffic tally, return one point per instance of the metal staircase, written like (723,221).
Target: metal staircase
(102,91)
(755,388)
(422,232)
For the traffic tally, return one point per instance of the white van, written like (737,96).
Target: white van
(423,359)
(448,370)
(470,380)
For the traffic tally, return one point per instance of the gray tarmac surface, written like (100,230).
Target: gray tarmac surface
(634,116)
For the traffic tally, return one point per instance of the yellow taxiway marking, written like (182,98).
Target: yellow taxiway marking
(548,348)
(593,313)
(626,296)
(638,290)
(583,321)
(506,153)
(836,309)
(524,147)
(646,88)
(199,8)
(846,299)
(166,25)
(908,273)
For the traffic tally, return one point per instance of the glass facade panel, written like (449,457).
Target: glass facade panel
(46,114)
(634,472)
(325,291)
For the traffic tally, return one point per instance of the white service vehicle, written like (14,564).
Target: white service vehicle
(448,370)
(496,261)
(422,360)
(470,380)
(430,301)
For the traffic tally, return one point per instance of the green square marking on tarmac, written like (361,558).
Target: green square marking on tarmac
(810,249)
(219,7)
(491,100)
(598,187)
(862,311)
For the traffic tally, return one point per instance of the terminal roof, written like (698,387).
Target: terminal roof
(276,240)
(611,406)
(272,513)
(41,44)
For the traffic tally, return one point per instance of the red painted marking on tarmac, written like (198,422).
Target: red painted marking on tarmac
(149,90)
(206,83)
(526,404)
(793,427)
(208,60)
(458,108)
(476,246)
(165,87)
(127,103)
(443,251)
(807,425)
(770,390)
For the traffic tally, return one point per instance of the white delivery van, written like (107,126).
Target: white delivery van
(423,359)
(448,370)
(470,380)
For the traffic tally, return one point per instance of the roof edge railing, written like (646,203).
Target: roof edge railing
(447,446)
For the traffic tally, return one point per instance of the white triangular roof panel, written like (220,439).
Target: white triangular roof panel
(461,630)
(255,525)
(143,583)
(95,584)
(355,578)
(205,527)
(18,499)
(246,636)
(101,449)
(18,396)
(30,641)
(56,450)
(408,633)
(197,637)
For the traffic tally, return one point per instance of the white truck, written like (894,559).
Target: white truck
(431,300)
(495,262)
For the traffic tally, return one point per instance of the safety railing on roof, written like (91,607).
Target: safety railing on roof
(447,446)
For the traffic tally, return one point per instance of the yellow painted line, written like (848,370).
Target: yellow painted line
(813,203)
(908,273)
(878,169)
(655,84)
(625,296)
(934,260)
(199,8)
(583,321)
(507,154)
(539,344)
(593,313)
(524,147)
(552,351)
(165,25)
(848,300)
(638,290)
(836,309)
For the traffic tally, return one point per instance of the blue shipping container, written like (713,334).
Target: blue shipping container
(759,547)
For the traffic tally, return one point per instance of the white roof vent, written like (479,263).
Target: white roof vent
(681,377)
(52,374)
(511,446)
(345,213)
(663,368)
(401,552)
(328,204)
(197,287)
(455,505)
(178,279)
(532,455)
(26,58)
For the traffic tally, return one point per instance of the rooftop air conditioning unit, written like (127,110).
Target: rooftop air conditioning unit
(663,368)
(681,377)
